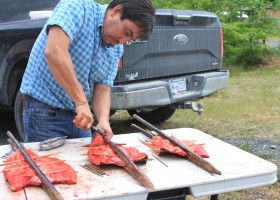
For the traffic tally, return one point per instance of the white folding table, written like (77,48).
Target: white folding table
(240,170)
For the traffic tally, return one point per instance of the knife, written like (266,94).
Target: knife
(130,167)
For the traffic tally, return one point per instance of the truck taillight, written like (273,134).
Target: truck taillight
(221,44)
(120,63)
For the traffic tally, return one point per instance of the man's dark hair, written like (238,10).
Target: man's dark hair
(140,12)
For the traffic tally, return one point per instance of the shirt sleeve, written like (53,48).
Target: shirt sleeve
(69,15)
(114,56)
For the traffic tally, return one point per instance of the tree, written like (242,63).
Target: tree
(244,40)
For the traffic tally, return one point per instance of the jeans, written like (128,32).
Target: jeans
(41,122)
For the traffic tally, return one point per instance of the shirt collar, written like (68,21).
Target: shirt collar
(100,24)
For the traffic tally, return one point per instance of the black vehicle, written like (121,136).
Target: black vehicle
(179,64)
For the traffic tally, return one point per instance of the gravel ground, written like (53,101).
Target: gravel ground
(261,147)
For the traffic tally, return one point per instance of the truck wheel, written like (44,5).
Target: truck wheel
(112,112)
(156,115)
(18,112)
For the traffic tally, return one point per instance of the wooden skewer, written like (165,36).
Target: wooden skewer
(157,150)
(53,172)
(98,154)
(146,143)
(27,166)
(96,147)
(119,144)
(14,161)
(148,133)
(57,171)
(159,160)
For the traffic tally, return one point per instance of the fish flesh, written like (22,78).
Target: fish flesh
(18,173)
(162,145)
(100,153)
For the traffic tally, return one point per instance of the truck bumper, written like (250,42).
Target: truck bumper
(158,93)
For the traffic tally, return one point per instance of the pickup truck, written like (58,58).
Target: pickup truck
(178,65)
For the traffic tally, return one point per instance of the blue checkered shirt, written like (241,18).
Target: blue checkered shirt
(93,61)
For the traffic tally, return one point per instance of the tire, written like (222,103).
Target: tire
(112,112)
(156,115)
(18,112)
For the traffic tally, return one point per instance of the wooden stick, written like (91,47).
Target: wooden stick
(47,185)
(96,147)
(194,158)
(147,144)
(130,167)
(14,161)
(100,148)
(57,171)
(158,151)
(99,154)
(149,134)
(88,145)
(27,166)
(53,172)
(159,160)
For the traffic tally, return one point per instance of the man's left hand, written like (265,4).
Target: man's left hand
(106,128)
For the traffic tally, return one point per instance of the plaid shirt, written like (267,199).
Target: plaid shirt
(94,62)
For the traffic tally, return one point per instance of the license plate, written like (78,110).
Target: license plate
(178,86)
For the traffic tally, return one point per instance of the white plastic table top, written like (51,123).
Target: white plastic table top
(240,170)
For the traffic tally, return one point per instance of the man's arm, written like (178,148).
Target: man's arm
(101,107)
(61,67)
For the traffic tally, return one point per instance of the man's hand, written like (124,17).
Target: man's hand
(106,128)
(84,118)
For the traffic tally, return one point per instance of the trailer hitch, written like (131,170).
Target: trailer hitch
(196,108)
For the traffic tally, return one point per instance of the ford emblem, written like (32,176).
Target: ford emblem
(180,39)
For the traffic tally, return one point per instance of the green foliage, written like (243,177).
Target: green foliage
(276,52)
(244,40)
(274,4)
(253,55)
(174,4)
(242,44)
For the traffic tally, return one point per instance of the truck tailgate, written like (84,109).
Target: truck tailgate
(182,42)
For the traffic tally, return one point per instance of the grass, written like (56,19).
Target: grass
(246,147)
(248,107)
(266,156)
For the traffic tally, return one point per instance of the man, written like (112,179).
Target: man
(74,61)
